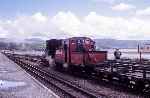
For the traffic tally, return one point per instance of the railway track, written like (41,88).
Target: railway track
(121,73)
(67,87)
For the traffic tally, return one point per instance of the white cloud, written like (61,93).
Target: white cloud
(106,1)
(3,32)
(67,24)
(116,27)
(145,11)
(39,17)
(111,1)
(123,7)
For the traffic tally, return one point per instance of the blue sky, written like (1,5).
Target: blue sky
(128,19)
(11,8)
(14,7)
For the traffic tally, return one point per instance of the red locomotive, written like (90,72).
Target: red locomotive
(74,52)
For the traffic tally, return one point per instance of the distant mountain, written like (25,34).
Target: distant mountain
(27,44)
(34,40)
(5,40)
(112,43)
(37,43)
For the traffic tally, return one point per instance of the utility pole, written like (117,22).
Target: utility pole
(140,53)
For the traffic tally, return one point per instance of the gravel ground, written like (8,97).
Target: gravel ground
(16,83)
(105,89)
(110,91)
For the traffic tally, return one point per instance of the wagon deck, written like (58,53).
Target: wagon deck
(132,74)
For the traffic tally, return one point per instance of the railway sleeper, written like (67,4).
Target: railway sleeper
(135,84)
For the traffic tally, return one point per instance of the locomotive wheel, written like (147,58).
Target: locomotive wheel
(65,66)
(58,65)
(62,66)
(50,61)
